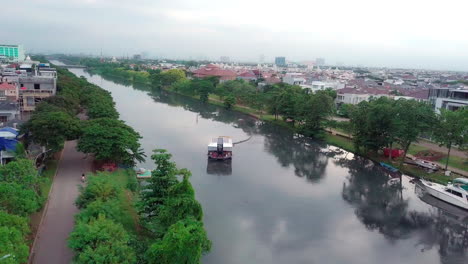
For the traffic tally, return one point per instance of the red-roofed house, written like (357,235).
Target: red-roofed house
(247,76)
(211,70)
(8,91)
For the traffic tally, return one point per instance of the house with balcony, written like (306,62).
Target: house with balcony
(448,98)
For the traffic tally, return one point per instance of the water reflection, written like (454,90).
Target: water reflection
(219,167)
(289,199)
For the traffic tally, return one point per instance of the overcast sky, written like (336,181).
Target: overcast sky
(397,33)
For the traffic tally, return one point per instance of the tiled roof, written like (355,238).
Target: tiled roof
(7,86)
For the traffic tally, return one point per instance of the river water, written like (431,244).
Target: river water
(287,199)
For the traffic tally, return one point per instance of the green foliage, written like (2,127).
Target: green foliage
(184,242)
(345,110)
(13,246)
(315,112)
(99,187)
(229,101)
(14,221)
(111,139)
(101,241)
(203,88)
(18,200)
(412,118)
(170,211)
(172,76)
(98,102)
(51,129)
(109,208)
(21,171)
(374,124)
(20,151)
(452,129)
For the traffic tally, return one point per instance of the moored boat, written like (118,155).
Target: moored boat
(426,164)
(388,167)
(455,193)
(220,148)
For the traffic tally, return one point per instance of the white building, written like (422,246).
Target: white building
(294,79)
(451,99)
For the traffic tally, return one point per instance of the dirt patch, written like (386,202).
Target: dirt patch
(429,155)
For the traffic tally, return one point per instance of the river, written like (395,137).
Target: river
(287,199)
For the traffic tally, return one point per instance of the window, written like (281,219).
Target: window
(3,119)
(37,86)
(454,193)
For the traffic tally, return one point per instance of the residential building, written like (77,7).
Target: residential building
(212,70)
(280,61)
(12,52)
(247,76)
(448,98)
(9,110)
(294,79)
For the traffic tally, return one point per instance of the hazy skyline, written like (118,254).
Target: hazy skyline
(412,34)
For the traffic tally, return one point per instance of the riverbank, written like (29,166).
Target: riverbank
(331,137)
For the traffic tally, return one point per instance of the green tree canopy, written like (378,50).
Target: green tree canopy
(18,200)
(184,242)
(21,171)
(101,241)
(171,76)
(110,140)
(51,129)
(13,246)
(99,187)
(452,129)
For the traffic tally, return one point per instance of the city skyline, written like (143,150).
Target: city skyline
(402,35)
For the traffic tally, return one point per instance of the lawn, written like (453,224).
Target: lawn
(340,141)
(456,162)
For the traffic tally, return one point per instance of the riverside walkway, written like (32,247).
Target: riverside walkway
(50,245)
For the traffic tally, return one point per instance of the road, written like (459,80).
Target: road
(50,246)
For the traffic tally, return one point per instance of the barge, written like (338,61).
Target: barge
(220,148)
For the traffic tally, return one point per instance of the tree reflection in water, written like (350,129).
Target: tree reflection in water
(381,206)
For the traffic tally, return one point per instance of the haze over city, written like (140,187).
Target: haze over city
(410,34)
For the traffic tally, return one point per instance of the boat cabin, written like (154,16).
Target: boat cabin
(220,148)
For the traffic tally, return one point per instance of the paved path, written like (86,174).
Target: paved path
(50,246)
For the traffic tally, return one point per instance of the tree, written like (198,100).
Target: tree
(16,199)
(171,76)
(229,101)
(374,124)
(51,129)
(109,208)
(111,140)
(99,187)
(184,242)
(203,88)
(21,171)
(412,118)
(13,246)
(162,179)
(331,92)
(101,241)
(315,111)
(452,129)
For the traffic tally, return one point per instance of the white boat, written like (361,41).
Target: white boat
(220,148)
(426,164)
(455,193)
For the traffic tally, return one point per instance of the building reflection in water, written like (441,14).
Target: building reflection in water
(219,167)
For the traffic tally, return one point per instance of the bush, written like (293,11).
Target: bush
(99,187)
(101,241)
(16,199)
(110,209)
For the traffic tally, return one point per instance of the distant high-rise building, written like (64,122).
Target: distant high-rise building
(320,61)
(224,59)
(12,52)
(280,61)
